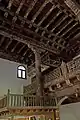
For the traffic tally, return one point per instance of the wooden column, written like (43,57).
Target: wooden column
(39,79)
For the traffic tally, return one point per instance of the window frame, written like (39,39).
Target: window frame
(21,72)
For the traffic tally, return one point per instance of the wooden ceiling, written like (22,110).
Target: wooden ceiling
(48,25)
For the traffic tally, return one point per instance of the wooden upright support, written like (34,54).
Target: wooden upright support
(39,79)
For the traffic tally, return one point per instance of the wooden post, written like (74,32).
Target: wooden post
(8,97)
(39,79)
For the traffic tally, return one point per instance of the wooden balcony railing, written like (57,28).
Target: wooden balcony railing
(18,100)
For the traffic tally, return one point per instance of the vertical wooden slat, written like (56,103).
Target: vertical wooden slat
(33,101)
(23,104)
(8,95)
(28,101)
(20,100)
(14,100)
(17,100)
(11,100)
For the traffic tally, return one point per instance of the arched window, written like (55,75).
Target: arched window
(21,72)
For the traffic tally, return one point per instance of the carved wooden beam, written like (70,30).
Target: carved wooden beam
(29,22)
(31,32)
(27,40)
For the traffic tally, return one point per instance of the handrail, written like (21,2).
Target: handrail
(29,100)
(22,100)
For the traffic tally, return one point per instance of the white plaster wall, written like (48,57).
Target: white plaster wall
(70,112)
(8,78)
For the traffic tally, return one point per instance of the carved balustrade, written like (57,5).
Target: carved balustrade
(74,65)
(71,4)
(22,100)
(52,75)
(56,76)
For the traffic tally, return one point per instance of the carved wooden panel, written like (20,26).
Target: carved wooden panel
(52,75)
(72,6)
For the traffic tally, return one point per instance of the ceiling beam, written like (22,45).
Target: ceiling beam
(10,4)
(20,6)
(51,22)
(76,23)
(29,22)
(31,6)
(45,16)
(73,32)
(7,55)
(59,23)
(11,56)
(27,40)
(40,9)
(68,23)
(2,40)
(10,41)
(15,46)
(24,54)
(34,34)
(21,48)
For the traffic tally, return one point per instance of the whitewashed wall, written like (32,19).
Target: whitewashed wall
(70,112)
(8,78)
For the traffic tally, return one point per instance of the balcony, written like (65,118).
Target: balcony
(18,103)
